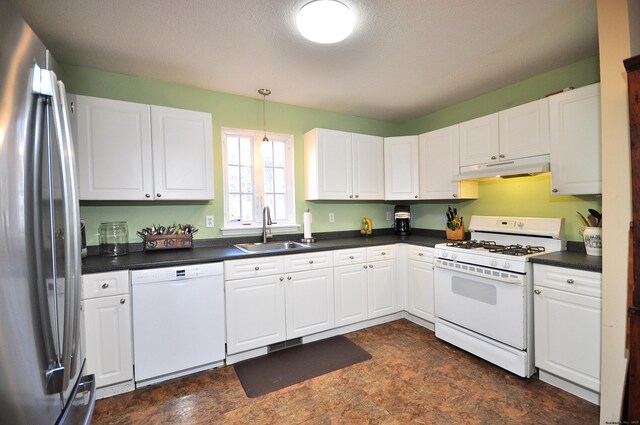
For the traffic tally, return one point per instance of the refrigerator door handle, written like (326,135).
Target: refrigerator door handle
(71,227)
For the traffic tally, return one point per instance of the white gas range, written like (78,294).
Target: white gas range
(483,288)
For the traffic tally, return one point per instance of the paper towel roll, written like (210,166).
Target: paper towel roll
(307,225)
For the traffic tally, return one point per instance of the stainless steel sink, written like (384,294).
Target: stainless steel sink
(275,246)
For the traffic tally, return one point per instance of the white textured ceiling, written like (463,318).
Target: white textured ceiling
(404,59)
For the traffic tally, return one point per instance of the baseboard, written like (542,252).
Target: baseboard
(570,387)
(419,321)
(115,389)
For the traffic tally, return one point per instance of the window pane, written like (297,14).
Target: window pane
(268,180)
(246,180)
(234,207)
(266,149)
(268,200)
(246,154)
(247,208)
(278,148)
(279,180)
(233,177)
(281,211)
(232,151)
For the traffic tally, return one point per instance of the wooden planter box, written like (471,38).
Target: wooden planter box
(159,242)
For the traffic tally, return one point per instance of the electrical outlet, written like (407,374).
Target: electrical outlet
(388,215)
(332,218)
(209,221)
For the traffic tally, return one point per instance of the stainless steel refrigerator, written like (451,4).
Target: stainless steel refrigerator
(41,361)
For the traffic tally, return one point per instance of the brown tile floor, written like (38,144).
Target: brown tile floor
(412,378)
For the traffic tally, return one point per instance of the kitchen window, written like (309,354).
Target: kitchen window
(256,174)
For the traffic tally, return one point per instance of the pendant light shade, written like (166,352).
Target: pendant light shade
(325,21)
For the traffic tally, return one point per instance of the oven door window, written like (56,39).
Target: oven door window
(489,307)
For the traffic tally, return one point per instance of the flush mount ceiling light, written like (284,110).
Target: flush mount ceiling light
(325,21)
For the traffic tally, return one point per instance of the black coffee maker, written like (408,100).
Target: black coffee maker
(402,220)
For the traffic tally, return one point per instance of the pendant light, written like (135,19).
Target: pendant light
(265,145)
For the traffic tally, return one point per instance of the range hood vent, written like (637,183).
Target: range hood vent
(513,168)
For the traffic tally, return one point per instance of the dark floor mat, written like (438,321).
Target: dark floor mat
(280,369)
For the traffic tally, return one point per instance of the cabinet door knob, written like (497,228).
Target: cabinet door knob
(122,301)
(416,196)
(420,254)
(147,195)
(370,266)
(256,268)
(159,195)
(537,291)
(455,195)
(105,285)
(351,257)
(281,278)
(310,261)
(365,266)
(501,155)
(357,196)
(554,190)
(383,253)
(570,281)
(288,277)
(493,157)
(351,196)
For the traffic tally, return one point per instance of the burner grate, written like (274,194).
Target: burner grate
(517,250)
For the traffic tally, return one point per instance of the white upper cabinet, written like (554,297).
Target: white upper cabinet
(401,164)
(131,151)
(439,162)
(575,141)
(343,166)
(519,132)
(479,141)
(182,153)
(524,130)
(113,142)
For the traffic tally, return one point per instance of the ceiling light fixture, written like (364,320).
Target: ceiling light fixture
(325,21)
(265,146)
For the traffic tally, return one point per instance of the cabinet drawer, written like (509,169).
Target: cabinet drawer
(345,257)
(386,252)
(253,267)
(420,253)
(566,279)
(310,261)
(105,284)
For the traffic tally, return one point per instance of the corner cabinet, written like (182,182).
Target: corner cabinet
(439,163)
(107,328)
(343,166)
(131,151)
(401,162)
(575,145)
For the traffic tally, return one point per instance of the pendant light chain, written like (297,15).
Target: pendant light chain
(264,93)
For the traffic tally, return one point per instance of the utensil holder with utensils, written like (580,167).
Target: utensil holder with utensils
(159,242)
(457,234)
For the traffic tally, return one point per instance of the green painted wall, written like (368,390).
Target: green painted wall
(521,196)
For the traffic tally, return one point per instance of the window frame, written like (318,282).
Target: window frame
(255,226)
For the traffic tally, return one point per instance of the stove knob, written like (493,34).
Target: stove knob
(454,256)
(445,254)
(494,263)
(507,265)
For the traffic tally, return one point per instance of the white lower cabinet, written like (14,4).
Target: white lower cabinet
(567,325)
(255,312)
(282,305)
(420,283)
(107,327)
(350,294)
(309,302)
(383,297)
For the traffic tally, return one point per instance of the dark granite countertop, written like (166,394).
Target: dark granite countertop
(214,250)
(223,249)
(570,259)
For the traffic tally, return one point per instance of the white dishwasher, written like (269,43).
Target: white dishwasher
(178,321)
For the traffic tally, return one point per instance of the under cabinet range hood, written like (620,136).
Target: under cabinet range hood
(509,168)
